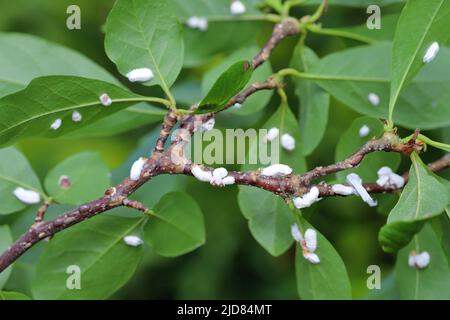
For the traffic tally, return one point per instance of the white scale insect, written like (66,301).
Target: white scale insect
(288,142)
(364,131)
(140,74)
(388,178)
(343,190)
(431,53)
(200,174)
(356,182)
(419,260)
(76,116)
(219,176)
(105,100)
(136,168)
(271,134)
(199,23)
(374,99)
(308,243)
(27,196)
(56,124)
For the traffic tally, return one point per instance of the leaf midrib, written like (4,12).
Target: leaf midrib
(416,287)
(419,184)
(69,108)
(162,218)
(19,183)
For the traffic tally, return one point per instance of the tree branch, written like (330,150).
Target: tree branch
(388,143)
(170,120)
(42,211)
(162,163)
(286,28)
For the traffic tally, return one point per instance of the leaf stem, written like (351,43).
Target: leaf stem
(311,76)
(339,33)
(319,12)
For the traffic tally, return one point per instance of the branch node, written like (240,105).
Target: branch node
(41,213)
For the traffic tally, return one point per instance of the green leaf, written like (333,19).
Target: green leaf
(269,219)
(24,57)
(145,34)
(269,216)
(136,116)
(15,171)
(13,296)
(225,33)
(353,74)
(423,197)
(176,225)
(402,223)
(17,70)
(5,241)
(350,142)
(227,85)
(314,102)
(188,92)
(325,280)
(432,282)
(257,101)
(386,203)
(30,112)
(87,178)
(96,246)
(420,24)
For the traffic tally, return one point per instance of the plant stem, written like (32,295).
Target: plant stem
(339,33)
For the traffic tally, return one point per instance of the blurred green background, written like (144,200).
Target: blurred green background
(231,264)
